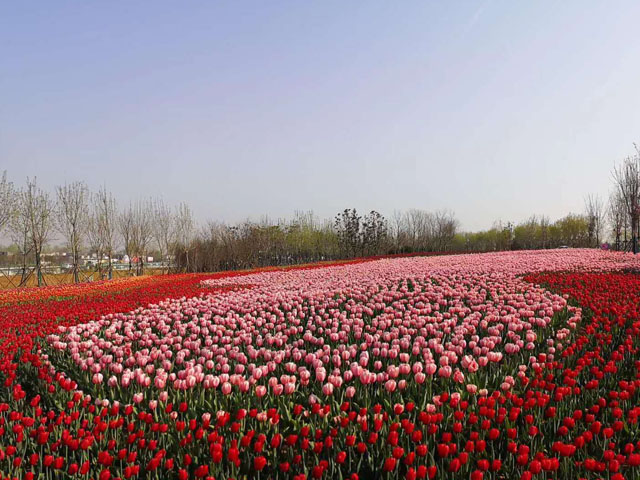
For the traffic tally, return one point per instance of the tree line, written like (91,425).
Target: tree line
(89,222)
(94,223)
(624,203)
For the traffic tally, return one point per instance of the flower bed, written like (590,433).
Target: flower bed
(466,366)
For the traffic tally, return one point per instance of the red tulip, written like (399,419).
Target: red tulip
(259,463)
(389,464)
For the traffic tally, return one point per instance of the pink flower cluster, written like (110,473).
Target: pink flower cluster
(398,323)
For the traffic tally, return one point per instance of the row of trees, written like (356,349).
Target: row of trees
(306,239)
(422,231)
(617,220)
(92,222)
(88,222)
(533,234)
(219,246)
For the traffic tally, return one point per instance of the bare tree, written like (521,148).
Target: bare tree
(416,224)
(421,229)
(627,181)
(72,212)
(445,227)
(617,215)
(184,229)
(164,229)
(397,230)
(20,232)
(94,238)
(39,210)
(103,223)
(7,200)
(595,212)
(125,228)
(142,231)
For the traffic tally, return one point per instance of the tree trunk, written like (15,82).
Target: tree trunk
(99,265)
(24,276)
(38,268)
(76,278)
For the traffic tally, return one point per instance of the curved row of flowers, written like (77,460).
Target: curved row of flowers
(441,367)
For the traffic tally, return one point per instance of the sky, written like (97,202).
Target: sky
(495,110)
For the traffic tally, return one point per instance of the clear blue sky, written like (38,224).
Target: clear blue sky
(496,110)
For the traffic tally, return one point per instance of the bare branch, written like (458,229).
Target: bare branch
(72,214)
(39,210)
(7,200)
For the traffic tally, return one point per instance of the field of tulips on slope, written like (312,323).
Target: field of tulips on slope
(506,365)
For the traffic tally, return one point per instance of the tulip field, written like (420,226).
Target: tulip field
(510,365)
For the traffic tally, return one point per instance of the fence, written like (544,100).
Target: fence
(16,277)
(624,245)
